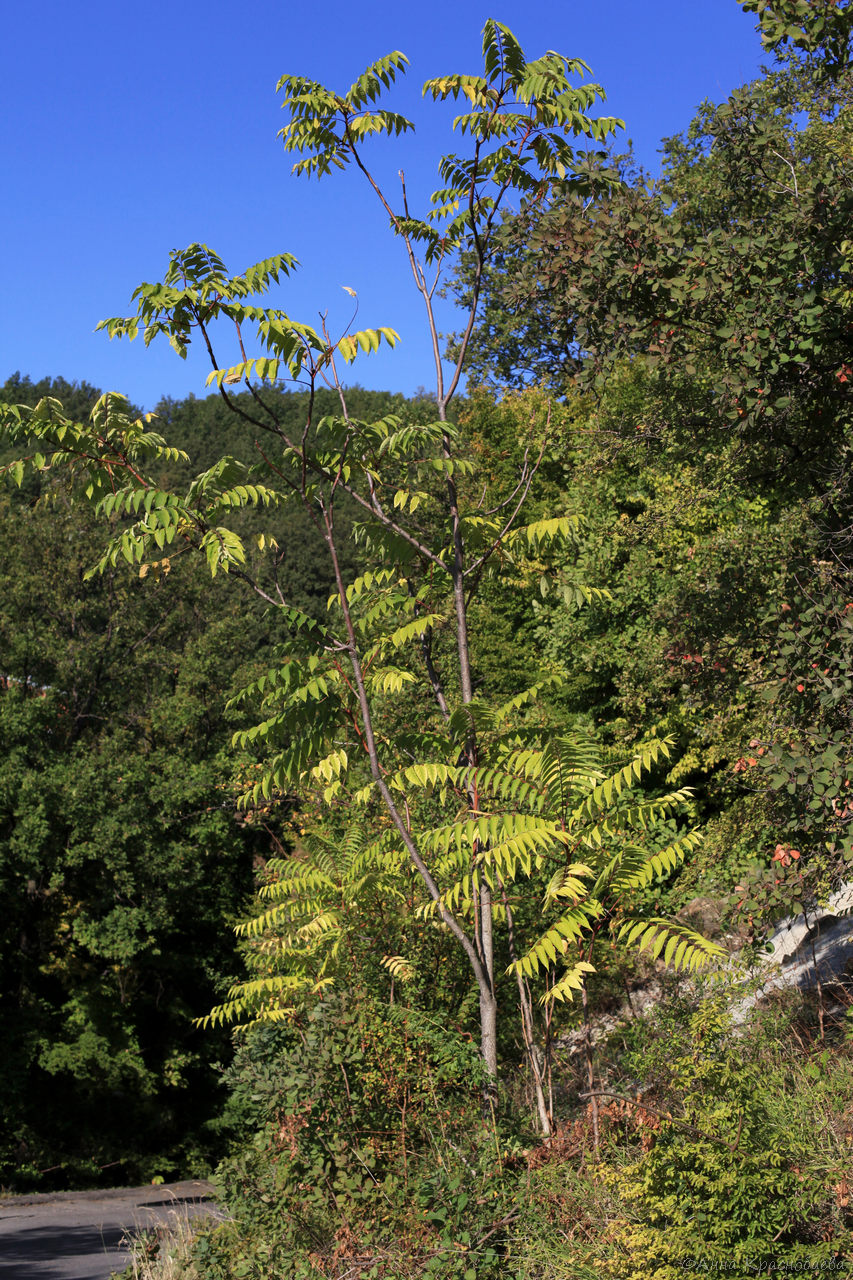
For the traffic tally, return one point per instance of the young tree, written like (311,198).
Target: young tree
(431,528)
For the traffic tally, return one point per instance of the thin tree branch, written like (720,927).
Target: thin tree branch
(376,771)
(662,1115)
(489,552)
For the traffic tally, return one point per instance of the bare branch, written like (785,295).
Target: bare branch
(478,565)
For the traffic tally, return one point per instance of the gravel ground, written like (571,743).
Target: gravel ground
(79,1235)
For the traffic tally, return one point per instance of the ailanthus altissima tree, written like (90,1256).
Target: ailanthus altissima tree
(539,813)
(468,809)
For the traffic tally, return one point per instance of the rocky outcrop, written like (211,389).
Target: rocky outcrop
(807,951)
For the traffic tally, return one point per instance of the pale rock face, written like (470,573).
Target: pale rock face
(826,925)
(790,963)
(805,948)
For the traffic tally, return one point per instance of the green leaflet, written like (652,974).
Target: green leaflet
(600,888)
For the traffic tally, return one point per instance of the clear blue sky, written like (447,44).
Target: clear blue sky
(130,129)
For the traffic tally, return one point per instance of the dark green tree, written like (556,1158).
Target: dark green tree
(121,861)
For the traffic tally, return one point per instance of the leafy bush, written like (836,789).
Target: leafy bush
(373,1155)
(733,1158)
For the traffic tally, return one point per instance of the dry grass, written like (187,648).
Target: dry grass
(163,1252)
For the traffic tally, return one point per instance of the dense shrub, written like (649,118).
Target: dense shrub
(372,1153)
(732,1157)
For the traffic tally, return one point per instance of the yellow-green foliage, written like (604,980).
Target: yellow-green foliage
(738,1181)
(546,812)
(734,1159)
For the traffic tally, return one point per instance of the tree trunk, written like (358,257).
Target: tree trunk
(590,1067)
(526,1010)
(489,1034)
(488,1003)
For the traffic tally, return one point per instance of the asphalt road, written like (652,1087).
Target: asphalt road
(80,1235)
